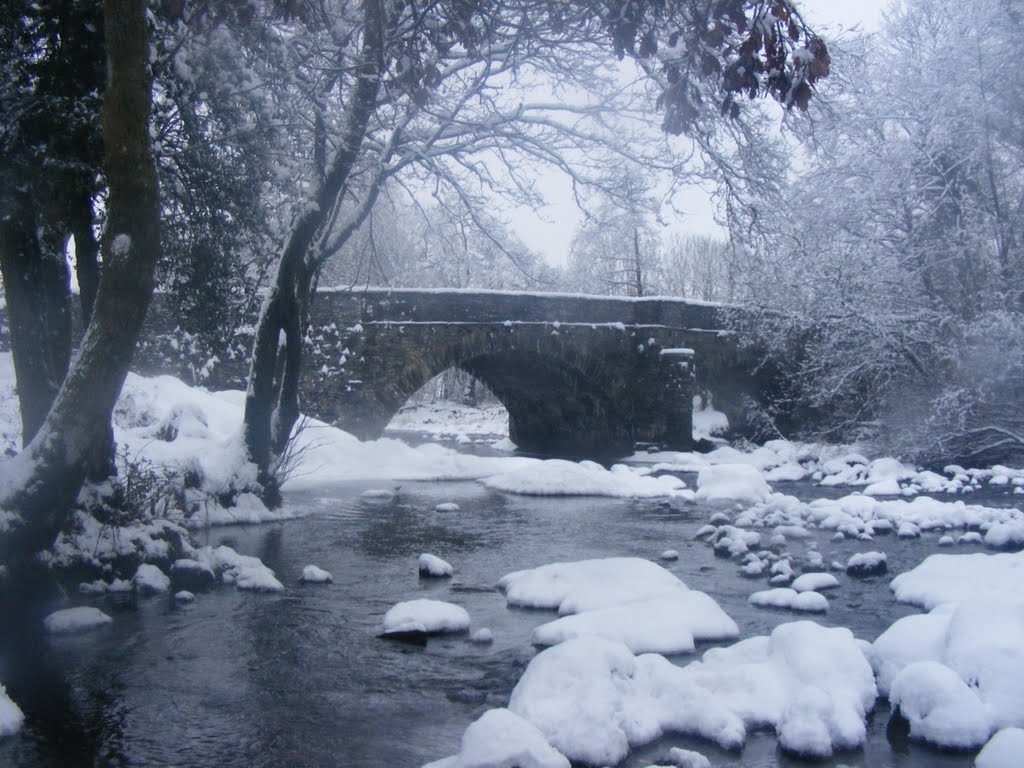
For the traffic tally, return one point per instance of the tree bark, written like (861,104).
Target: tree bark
(45,478)
(271,403)
(38,307)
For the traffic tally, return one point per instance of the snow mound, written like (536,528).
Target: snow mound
(311,574)
(814,582)
(150,580)
(594,700)
(939,706)
(739,482)
(244,571)
(447,506)
(434,566)
(427,616)
(502,739)
(1003,750)
(784,597)
(11,717)
(586,585)
(557,477)
(71,620)
(668,624)
(981,640)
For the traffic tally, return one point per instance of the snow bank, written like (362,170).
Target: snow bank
(739,482)
(502,739)
(594,700)
(11,717)
(72,620)
(428,616)
(557,477)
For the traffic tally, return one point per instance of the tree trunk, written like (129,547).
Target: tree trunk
(44,479)
(38,307)
(271,403)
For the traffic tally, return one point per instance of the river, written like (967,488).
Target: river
(300,678)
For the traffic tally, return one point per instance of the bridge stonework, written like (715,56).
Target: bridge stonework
(579,375)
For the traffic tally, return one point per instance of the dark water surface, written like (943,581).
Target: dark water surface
(300,679)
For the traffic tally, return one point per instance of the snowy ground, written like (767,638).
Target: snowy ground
(603,688)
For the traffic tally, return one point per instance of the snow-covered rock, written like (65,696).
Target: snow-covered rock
(667,624)
(150,580)
(312,574)
(184,596)
(433,566)
(867,564)
(814,582)
(502,739)
(952,578)
(669,554)
(427,617)
(192,575)
(588,584)
(447,506)
(72,620)
(594,700)
(686,758)
(482,636)
(784,597)
(244,571)
(739,482)
(939,706)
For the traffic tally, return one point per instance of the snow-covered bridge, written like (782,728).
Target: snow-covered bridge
(582,375)
(579,375)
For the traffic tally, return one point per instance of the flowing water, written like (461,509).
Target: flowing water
(300,678)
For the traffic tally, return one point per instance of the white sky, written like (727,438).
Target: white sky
(552,238)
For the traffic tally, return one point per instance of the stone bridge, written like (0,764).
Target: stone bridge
(579,375)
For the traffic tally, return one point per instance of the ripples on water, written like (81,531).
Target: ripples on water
(300,679)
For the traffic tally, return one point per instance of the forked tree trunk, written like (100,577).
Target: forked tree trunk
(44,479)
(272,402)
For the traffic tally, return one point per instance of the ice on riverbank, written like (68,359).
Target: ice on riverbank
(11,717)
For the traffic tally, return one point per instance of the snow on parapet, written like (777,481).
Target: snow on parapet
(377,290)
